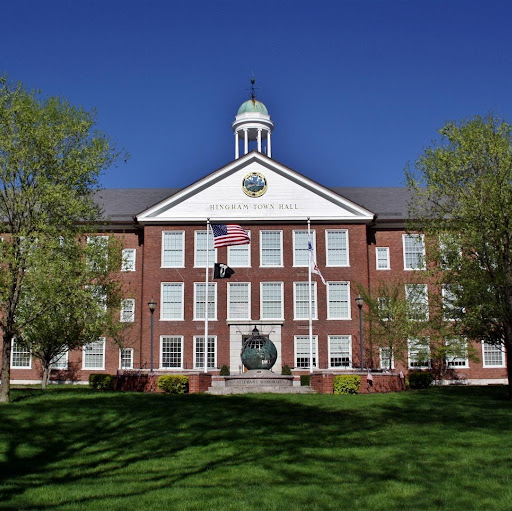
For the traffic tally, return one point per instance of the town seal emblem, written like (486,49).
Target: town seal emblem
(254,184)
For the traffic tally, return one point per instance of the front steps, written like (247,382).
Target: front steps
(263,389)
(257,382)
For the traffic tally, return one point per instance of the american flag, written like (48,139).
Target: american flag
(225,235)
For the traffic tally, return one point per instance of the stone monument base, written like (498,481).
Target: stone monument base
(257,381)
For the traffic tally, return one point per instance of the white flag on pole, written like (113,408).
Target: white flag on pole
(312,263)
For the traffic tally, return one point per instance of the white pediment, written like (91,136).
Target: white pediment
(220,197)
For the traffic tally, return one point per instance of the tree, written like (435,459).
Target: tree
(401,316)
(463,202)
(80,312)
(51,157)
(387,321)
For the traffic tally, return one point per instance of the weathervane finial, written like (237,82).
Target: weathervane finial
(253,91)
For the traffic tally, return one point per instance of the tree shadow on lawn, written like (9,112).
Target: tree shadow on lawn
(94,447)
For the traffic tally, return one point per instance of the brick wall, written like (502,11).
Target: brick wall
(323,383)
(145,284)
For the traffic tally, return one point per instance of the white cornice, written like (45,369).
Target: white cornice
(217,187)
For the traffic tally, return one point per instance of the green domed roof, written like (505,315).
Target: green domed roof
(252,106)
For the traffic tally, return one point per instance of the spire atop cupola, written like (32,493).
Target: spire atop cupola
(253,91)
(251,120)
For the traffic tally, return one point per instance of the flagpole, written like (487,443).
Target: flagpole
(310,250)
(206,296)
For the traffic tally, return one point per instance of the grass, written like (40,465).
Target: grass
(440,449)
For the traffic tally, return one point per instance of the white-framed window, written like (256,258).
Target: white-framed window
(271,306)
(456,353)
(172,301)
(126,358)
(20,356)
(450,250)
(386,359)
(493,355)
(303,350)
(100,244)
(99,294)
(416,297)
(239,300)
(60,361)
(128,310)
(301,247)
(384,305)
(271,248)
(239,256)
(28,245)
(418,353)
(200,249)
(94,355)
(173,249)
(301,300)
(382,258)
(336,247)
(200,300)
(338,300)
(340,351)
(128,259)
(100,240)
(199,352)
(171,352)
(414,251)
(450,310)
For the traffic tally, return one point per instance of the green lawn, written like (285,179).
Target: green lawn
(72,448)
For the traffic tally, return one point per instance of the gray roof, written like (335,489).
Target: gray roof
(122,204)
(390,203)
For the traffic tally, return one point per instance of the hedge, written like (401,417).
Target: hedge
(346,384)
(420,379)
(173,383)
(305,380)
(102,381)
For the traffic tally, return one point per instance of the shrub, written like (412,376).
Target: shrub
(286,370)
(102,381)
(420,379)
(346,384)
(224,370)
(305,380)
(173,383)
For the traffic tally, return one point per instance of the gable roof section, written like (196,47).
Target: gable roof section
(220,197)
(389,203)
(123,204)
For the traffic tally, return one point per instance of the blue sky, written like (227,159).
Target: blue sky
(356,89)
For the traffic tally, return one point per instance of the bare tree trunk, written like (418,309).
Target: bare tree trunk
(46,374)
(5,392)
(508,355)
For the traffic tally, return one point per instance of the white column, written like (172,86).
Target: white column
(269,145)
(236,146)
(246,140)
(259,140)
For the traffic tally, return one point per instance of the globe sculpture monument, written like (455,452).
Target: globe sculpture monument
(258,355)
(258,352)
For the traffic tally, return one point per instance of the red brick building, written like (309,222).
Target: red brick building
(358,237)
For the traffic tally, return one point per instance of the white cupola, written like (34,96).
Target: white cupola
(253,126)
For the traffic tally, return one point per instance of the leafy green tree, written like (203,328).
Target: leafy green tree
(388,323)
(463,202)
(79,312)
(395,318)
(51,157)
